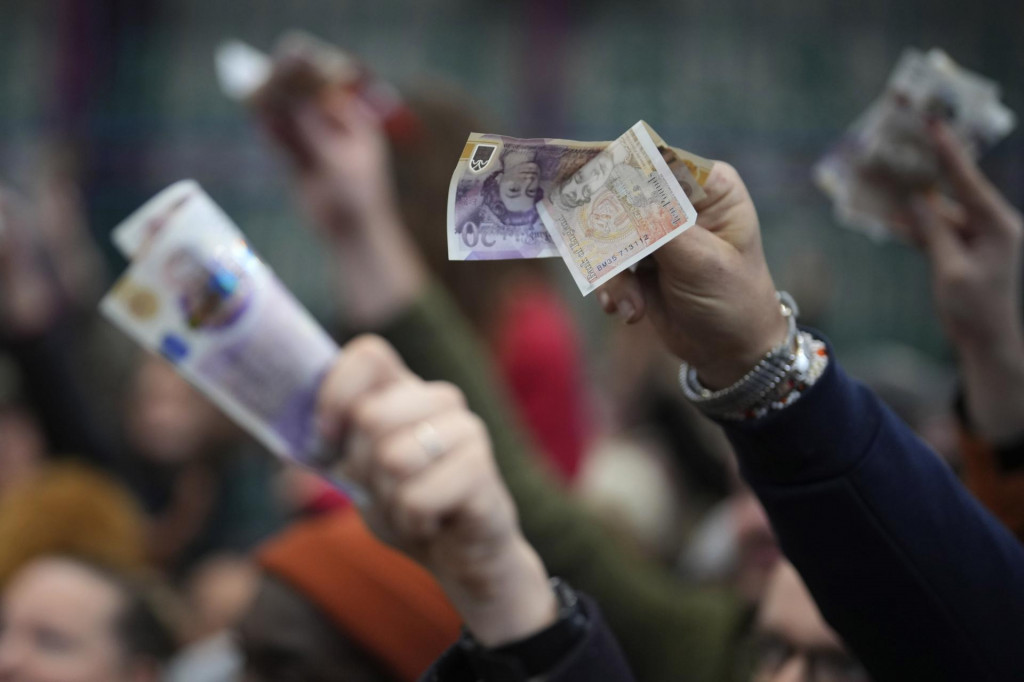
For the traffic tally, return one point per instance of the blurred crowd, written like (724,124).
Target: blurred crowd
(144,536)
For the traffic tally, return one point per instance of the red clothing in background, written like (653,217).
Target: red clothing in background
(539,357)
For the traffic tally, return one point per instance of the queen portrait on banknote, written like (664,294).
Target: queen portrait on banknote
(506,204)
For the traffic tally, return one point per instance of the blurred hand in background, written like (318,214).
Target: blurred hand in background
(973,241)
(340,158)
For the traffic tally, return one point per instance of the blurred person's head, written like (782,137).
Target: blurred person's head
(169,422)
(631,485)
(336,604)
(919,390)
(734,545)
(284,636)
(65,620)
(792,642)
(69,509)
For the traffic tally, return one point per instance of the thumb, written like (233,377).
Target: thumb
(314,129)
(970,185)
(623,296)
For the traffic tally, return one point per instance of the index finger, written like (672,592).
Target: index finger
(366,364)
(970,185)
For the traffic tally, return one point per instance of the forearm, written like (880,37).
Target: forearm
(505,598)
(891,545)
(667,630)
(378,272)
(993,381)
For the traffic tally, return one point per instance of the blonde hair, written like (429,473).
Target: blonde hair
(74,511)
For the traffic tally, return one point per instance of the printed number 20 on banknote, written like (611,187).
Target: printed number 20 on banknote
(621,206)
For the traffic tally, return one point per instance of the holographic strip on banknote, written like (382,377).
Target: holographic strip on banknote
(198,295)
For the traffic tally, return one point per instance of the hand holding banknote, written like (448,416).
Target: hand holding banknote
(343,180)
(973,242)
(708,293)
(887,155)
(437,494)
(336,146)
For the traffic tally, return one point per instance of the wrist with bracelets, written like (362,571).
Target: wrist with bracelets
(778,379)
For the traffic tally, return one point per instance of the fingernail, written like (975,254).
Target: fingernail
(605,301)
(626,310)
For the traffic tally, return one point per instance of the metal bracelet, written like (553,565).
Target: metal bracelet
(761,384)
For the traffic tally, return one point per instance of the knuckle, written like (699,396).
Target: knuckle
(367,416)
(373,349)
(449,393)
(476,426)
(410,505)
(392,458)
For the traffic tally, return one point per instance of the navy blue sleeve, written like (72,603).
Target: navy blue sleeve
(596,657)
(920,581)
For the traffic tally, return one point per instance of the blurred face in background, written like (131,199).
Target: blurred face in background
(58,623)
(21,446)
(168,421)
(792,641)
(285,638)
(757,552)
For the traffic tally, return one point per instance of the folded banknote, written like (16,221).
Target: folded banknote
(601,206)
(197,294)
(886,155)
(500,181)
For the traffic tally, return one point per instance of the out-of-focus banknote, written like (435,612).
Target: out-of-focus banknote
(301,67)
(621,206)
(498,182)
(887,155)
(198,295)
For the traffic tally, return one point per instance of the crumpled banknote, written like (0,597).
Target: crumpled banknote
(302,66)
(886,155)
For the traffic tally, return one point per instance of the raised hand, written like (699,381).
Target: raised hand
(437,495)
(973,241)
(708,292)
(342,176)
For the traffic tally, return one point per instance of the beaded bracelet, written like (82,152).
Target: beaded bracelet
(778,379)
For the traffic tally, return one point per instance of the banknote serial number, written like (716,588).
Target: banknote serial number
(624,252)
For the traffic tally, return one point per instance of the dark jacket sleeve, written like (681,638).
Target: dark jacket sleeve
(596,657)
(914,574)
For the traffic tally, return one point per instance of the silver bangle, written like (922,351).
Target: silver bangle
(774,375)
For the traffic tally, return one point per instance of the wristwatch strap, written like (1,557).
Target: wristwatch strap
(538,654)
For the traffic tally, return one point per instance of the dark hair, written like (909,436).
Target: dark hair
(140,628)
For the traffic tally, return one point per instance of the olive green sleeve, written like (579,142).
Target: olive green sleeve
(668,630)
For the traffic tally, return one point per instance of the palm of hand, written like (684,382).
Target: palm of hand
(711,296)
